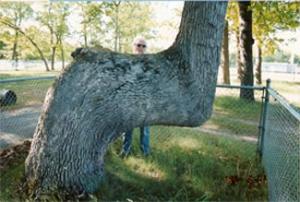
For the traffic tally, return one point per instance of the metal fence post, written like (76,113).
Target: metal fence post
(262,126)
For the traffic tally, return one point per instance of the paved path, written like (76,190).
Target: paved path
(18,125)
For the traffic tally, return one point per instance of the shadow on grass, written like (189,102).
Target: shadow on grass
(193,171)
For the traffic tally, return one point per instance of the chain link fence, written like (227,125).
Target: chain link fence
(20,105)
(223,151)
(281,148)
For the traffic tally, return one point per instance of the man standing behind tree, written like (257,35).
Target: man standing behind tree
(139,47)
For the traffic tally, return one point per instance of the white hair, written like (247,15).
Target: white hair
(138,39)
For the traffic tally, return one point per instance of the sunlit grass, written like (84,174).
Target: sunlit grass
(29,93)
(188,166)
(26,73)
(238,108)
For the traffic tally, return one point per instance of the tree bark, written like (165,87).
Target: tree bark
(246,42)
(103,93)
(225,56)
(258,66)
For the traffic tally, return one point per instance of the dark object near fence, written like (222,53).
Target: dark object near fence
(7,97)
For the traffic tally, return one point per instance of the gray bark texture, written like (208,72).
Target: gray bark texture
(103,93)
(246,42)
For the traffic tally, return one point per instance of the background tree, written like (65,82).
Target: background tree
(113,92)
(6,22)
(2,47)
(15,13)
(54,18)
(92,23)
(225,55)
(127,20)
(268,18)
(234,28)
(246,42)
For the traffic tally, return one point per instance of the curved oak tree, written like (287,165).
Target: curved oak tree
(103,93)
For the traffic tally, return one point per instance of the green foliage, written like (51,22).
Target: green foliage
(271,16)
(268,18)
(15,13)
(126,20)
(54,18)
(92,22)
(232,16)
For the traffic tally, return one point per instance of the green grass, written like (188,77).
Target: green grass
(18,74)
(184,165)
(234,107)
(29,93)
(286,87)
(10,180)
(234,126)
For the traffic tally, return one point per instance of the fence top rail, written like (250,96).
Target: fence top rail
(27,79)
(239,87)
(284,103)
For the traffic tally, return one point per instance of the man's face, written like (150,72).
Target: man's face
(139,47)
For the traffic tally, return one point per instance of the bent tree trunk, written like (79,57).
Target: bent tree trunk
(246,42)
(103,93)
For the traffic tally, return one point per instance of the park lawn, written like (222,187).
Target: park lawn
(238,127)
(29,93)
(286,87)
(234,107)
(27,73)
(184,165)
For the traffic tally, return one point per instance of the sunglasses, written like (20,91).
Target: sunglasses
(141,45)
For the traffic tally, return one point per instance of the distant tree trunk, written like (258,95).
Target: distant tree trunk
(258,66)
(117,28)
(246,42)
(225,56)
(104,93)
(62,54)
(14,51)
(85,35)
(238,55)
(53,50)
